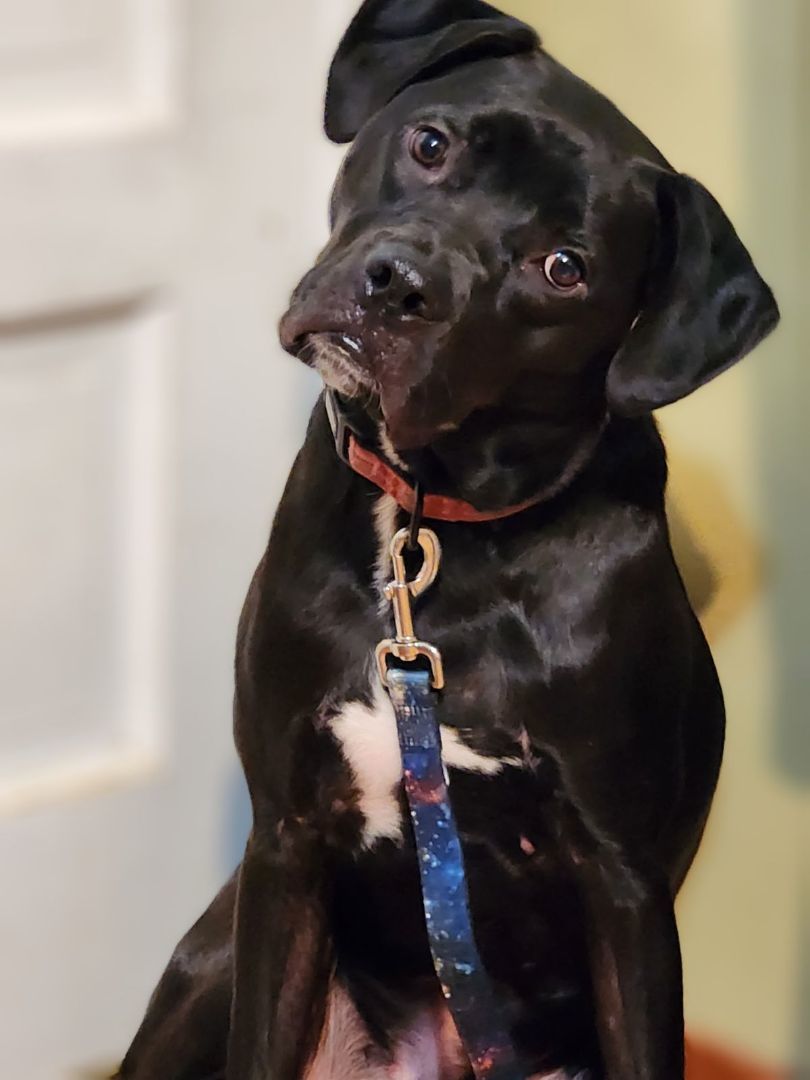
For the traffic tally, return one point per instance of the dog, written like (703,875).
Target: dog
(516,279)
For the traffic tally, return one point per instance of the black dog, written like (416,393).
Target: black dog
(516,279)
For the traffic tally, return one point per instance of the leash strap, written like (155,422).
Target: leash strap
(463,979)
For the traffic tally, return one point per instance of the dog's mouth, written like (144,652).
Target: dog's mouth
(367,363)
(337,354)
(338,359)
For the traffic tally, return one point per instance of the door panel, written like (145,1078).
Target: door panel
(81,655)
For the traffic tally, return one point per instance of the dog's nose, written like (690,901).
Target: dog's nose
(394,282)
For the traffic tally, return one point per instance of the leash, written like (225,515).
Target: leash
(413,691)
(479,1019)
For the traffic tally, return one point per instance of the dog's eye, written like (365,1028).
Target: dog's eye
(429,147)
(564,270)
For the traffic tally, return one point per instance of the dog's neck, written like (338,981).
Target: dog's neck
(498,458)
(504,457)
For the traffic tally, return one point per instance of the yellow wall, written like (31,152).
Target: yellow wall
(723,87)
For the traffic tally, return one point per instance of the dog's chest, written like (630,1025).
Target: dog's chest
(366,730)
(366,734)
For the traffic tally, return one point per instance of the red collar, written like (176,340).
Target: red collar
(378,472)
(436,507)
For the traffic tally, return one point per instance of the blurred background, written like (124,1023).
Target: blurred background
(163,183)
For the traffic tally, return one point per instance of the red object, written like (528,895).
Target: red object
(707,1062)
(438,507)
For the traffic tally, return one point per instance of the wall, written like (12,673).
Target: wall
(723,89)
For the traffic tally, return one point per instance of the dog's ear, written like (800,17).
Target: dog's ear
(705,308)
(392,43)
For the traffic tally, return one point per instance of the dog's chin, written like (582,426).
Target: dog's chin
(337,359)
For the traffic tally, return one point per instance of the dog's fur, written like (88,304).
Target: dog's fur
(583,720)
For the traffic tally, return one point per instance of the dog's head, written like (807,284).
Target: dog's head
(506,246)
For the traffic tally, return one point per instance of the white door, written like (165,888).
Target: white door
(162,185)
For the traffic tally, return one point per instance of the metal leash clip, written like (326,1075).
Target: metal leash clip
(405,647)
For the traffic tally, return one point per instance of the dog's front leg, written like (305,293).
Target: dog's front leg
(184,1033)
(634,952)
(636,969)
(283,954)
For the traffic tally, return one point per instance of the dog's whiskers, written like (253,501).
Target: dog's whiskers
(337,368)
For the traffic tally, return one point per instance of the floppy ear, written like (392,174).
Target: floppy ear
(392,43)
(706,305)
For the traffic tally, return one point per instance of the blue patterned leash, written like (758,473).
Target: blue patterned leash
(464,981)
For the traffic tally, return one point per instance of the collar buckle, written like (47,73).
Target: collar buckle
(341,432)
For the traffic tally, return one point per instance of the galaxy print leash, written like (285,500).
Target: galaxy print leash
(461,974)
(464,981)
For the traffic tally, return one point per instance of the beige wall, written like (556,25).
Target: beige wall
(723,87)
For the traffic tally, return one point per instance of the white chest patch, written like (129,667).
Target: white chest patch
(369,744)
(367,735)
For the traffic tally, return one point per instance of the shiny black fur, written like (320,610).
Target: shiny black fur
(567,636)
